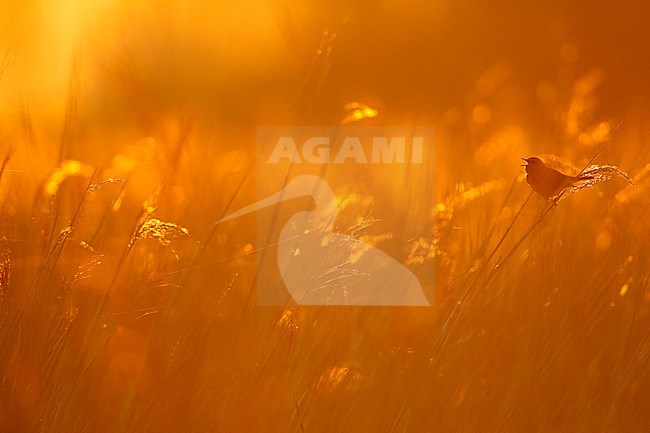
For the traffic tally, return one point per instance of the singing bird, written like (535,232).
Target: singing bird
(546,181)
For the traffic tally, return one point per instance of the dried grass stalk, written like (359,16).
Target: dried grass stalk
(5,267)
(596,174)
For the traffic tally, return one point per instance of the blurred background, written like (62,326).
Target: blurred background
(126,71)
(127,128)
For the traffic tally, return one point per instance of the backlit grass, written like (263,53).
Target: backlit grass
(124,308)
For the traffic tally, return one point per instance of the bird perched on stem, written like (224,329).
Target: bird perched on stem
(546,181)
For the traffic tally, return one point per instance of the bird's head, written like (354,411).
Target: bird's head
(533,161)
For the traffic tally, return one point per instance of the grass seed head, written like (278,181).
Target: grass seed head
(596,174)
(161,231)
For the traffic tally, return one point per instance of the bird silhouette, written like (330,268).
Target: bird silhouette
(322,267)
(546,181)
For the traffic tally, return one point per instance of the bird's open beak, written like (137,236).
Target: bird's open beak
(524,165)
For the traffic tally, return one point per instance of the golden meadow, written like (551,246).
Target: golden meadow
(126,130)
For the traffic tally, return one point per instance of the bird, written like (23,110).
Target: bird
(322,267)
(547,181)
